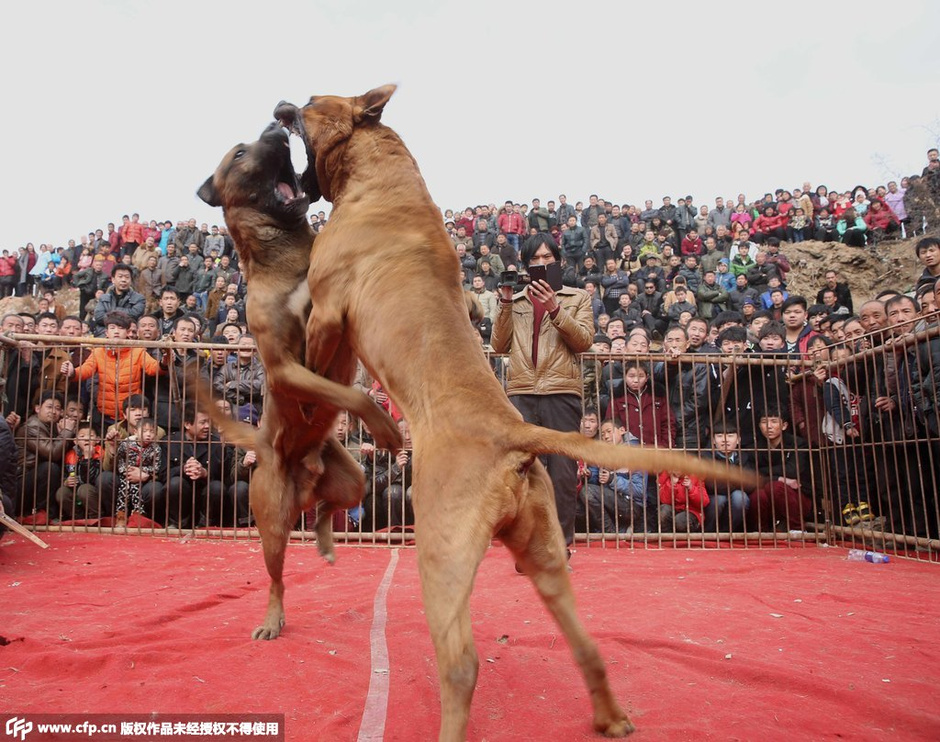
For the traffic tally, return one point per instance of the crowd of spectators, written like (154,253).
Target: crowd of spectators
(109,430)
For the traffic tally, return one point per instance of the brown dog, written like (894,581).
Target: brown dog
(299,459)
(392,296)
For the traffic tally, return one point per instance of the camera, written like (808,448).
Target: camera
(513,278)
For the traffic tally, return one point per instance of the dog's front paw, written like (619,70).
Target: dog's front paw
(270,629)
(618,726)
(386,433)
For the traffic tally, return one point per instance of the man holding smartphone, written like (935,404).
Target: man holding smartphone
(544,327)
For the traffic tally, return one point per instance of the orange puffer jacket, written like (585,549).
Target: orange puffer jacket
(120,374)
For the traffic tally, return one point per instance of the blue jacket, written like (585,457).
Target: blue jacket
(628,484)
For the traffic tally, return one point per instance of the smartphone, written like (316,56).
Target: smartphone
(550,273)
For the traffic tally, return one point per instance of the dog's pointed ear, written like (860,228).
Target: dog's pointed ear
(208,193)
(373,102)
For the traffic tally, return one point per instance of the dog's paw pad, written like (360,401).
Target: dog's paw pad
(618,728)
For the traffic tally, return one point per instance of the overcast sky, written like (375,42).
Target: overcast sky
(115,106)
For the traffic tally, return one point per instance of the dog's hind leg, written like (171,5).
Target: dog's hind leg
(451,543)
(536,541)
(275,511)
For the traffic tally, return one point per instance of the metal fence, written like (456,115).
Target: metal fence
(846,437)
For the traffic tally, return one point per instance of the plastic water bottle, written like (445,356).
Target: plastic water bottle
(875,557)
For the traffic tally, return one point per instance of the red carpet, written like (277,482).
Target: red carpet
(723,645)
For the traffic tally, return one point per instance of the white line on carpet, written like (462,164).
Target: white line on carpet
(373,716)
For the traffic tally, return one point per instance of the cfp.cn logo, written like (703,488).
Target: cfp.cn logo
(17,727)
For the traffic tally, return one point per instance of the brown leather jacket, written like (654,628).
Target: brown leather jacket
(560,341)
(41,442)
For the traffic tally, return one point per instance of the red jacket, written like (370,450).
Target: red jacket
(8,266)
(511,223)
(691,244)
(880,218)
(132,232)
(647,417)
(693,497)
(766,224)
(466,223)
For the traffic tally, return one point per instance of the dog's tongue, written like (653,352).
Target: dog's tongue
(285,190)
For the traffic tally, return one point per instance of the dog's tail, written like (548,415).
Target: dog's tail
(235,432)
(540,441)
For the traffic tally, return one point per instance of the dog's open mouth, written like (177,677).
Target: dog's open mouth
(287,188)
(304,159)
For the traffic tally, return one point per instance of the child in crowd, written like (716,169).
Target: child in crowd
(614,500)
(643,414)
(682,503)
(727,506)
(783,502)
(79,497)
(139,459)
(796,229)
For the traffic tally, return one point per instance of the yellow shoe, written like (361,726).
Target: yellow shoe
(864,512)
(850,515)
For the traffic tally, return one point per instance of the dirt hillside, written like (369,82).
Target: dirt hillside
(890,265)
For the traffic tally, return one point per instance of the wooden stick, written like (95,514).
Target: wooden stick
(22,530)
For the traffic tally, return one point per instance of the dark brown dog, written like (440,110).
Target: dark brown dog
(392,296)
(300,461)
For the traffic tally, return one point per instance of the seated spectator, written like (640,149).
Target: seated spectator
(742,217)
(711,297)
(196,466)
(727,507)
(79,497)
(766,298)
(852,229)
(626,312)
(798,225)
(689,270)
(881,221)
(723,275)
(770,224)
(692,245)
(742,262)
(783,502)
(683,499)
(392,503)
(612,498)
(683,303)
(824,227)
(614,282)
(47,435)
(841,289)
